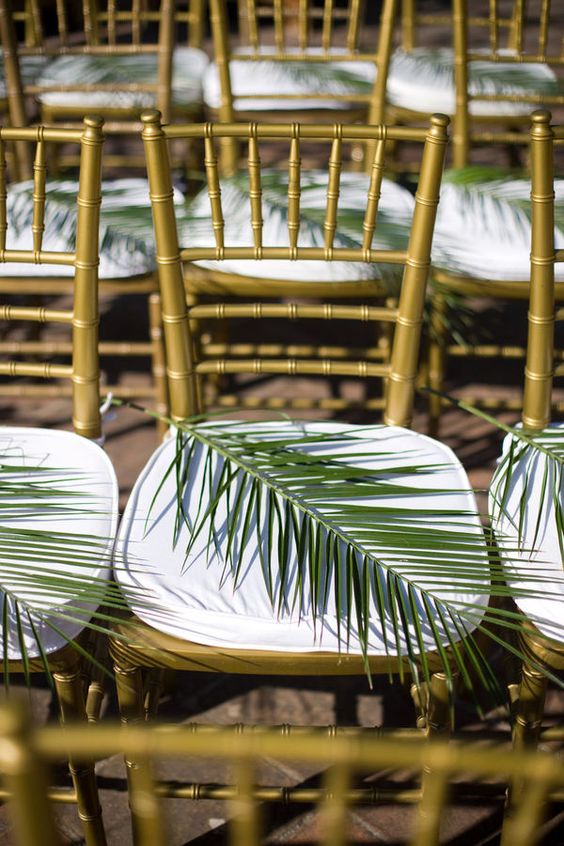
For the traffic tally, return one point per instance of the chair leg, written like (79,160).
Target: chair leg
(153,688)
(158,362)
(529,707)
(528,712)
(96,681)
(437,359)
(129,684)
(68,684)
(433,702)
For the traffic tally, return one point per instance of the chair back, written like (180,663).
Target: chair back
(82,317)
(349,766)
(97,28)
(539,368)
(183,366)
(313,32)
(525,34)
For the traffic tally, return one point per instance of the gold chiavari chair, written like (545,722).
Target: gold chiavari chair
(127,261)
(126,56)
(345,762)
(503,59)
(526,493)
(313,60)
(208,625)
(481,250)
(59,490)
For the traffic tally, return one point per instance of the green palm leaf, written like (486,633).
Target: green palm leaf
(53,582)
(415,569)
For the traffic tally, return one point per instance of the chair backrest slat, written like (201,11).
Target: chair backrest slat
(376,175)
(39,178)
(255,189)
(182,365)
(294,189)
(335,164)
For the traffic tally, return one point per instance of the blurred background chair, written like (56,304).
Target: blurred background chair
(481,271)
(500,64)
(110,58)
(59,490)
(350,769)
(309,61)
(526,494)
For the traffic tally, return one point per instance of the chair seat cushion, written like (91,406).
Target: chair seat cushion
(528,531)
(196,595)
(187,70)
(483,227)
(392,229)
(30,69)
(253,83)
(123,252)
(69,488)
(422,80)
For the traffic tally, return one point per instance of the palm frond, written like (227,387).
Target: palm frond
(54,583)
(362,541)
(483,226)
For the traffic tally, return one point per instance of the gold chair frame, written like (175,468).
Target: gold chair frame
(151,649)
(102,36)
(26,751)
(83,374)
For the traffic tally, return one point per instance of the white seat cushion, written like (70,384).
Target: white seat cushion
(260,78)
(198,594)
(483,227)
(30,69)
(123,252)
(86,507)
(530,539)
(392,229)
(187,70)
(422,80)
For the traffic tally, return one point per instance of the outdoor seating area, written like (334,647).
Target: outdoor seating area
(282,527)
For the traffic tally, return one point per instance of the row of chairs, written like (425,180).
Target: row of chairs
(318,58)
(222,573)
(496,65)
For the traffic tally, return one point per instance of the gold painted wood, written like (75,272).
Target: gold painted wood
(27,751)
